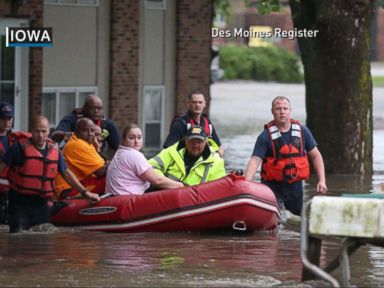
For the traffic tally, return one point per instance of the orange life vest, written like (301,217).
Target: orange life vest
(12,137)
(37,175)
(289,162)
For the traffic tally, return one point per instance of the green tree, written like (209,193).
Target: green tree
(337,78)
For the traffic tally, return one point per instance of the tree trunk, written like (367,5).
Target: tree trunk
(338,80)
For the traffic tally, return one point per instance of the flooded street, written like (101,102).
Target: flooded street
(71,258)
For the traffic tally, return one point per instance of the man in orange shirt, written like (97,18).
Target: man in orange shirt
(83,160)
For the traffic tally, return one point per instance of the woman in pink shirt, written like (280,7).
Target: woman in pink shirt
(129,171)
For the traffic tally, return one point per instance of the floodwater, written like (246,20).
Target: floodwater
(71,258)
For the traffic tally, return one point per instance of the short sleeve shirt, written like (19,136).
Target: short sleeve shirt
(82,159)
(124,171)
(263,145)
(263,148)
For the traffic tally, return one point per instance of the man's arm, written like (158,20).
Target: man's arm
(75,183)
(158,164)
(102,171)
(64,128)
(160,181)
(217,170)
(176,133)
(113,138)
(252,166)
(318,166)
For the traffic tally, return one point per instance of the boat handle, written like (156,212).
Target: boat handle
(106,195)
(239,226)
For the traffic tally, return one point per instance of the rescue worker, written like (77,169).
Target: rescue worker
(196,104)
(92,108)
(191,160)
(6,140)
(32,163)
(283,149)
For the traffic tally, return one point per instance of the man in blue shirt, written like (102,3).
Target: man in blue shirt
(92,108)
(196,105)
(283,149)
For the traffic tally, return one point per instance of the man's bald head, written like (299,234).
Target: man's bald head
(39,120)
(93,107)
(85,129)
(39,131)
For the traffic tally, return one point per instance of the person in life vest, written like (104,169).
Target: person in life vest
(92,109)
(6,140)
(196,104)
(82,158)
(283,149)
(191,160)
(32,164)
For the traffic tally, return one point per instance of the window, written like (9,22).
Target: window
(155,4)
(73,2)
(58,102)
(152,115)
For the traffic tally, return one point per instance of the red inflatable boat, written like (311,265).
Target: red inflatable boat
(227,203)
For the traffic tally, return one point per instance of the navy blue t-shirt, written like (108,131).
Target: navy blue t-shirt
(4,140)
(68,124)
(263,148)
(263,145)
(15,157)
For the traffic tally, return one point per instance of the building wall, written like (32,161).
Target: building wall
(157,70)
(124,61)
(72,61)
(33,11)
(193,46)
(76,60)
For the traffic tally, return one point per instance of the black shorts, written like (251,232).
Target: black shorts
(25,211)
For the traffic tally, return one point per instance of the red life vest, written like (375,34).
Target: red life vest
(289,162)
(37,175)
(207,126)
(12,137)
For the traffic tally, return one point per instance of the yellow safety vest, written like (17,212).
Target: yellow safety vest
(170,163)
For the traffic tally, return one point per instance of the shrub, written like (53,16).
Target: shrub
(260,63)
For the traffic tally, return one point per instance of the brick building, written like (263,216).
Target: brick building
(141,57)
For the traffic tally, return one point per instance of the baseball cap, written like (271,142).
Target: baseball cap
(196,131)
(6,110)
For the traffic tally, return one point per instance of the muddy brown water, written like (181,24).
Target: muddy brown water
(71,258)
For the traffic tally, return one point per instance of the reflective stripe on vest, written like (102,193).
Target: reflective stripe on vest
(289,162)
(205,175)
(160,162)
